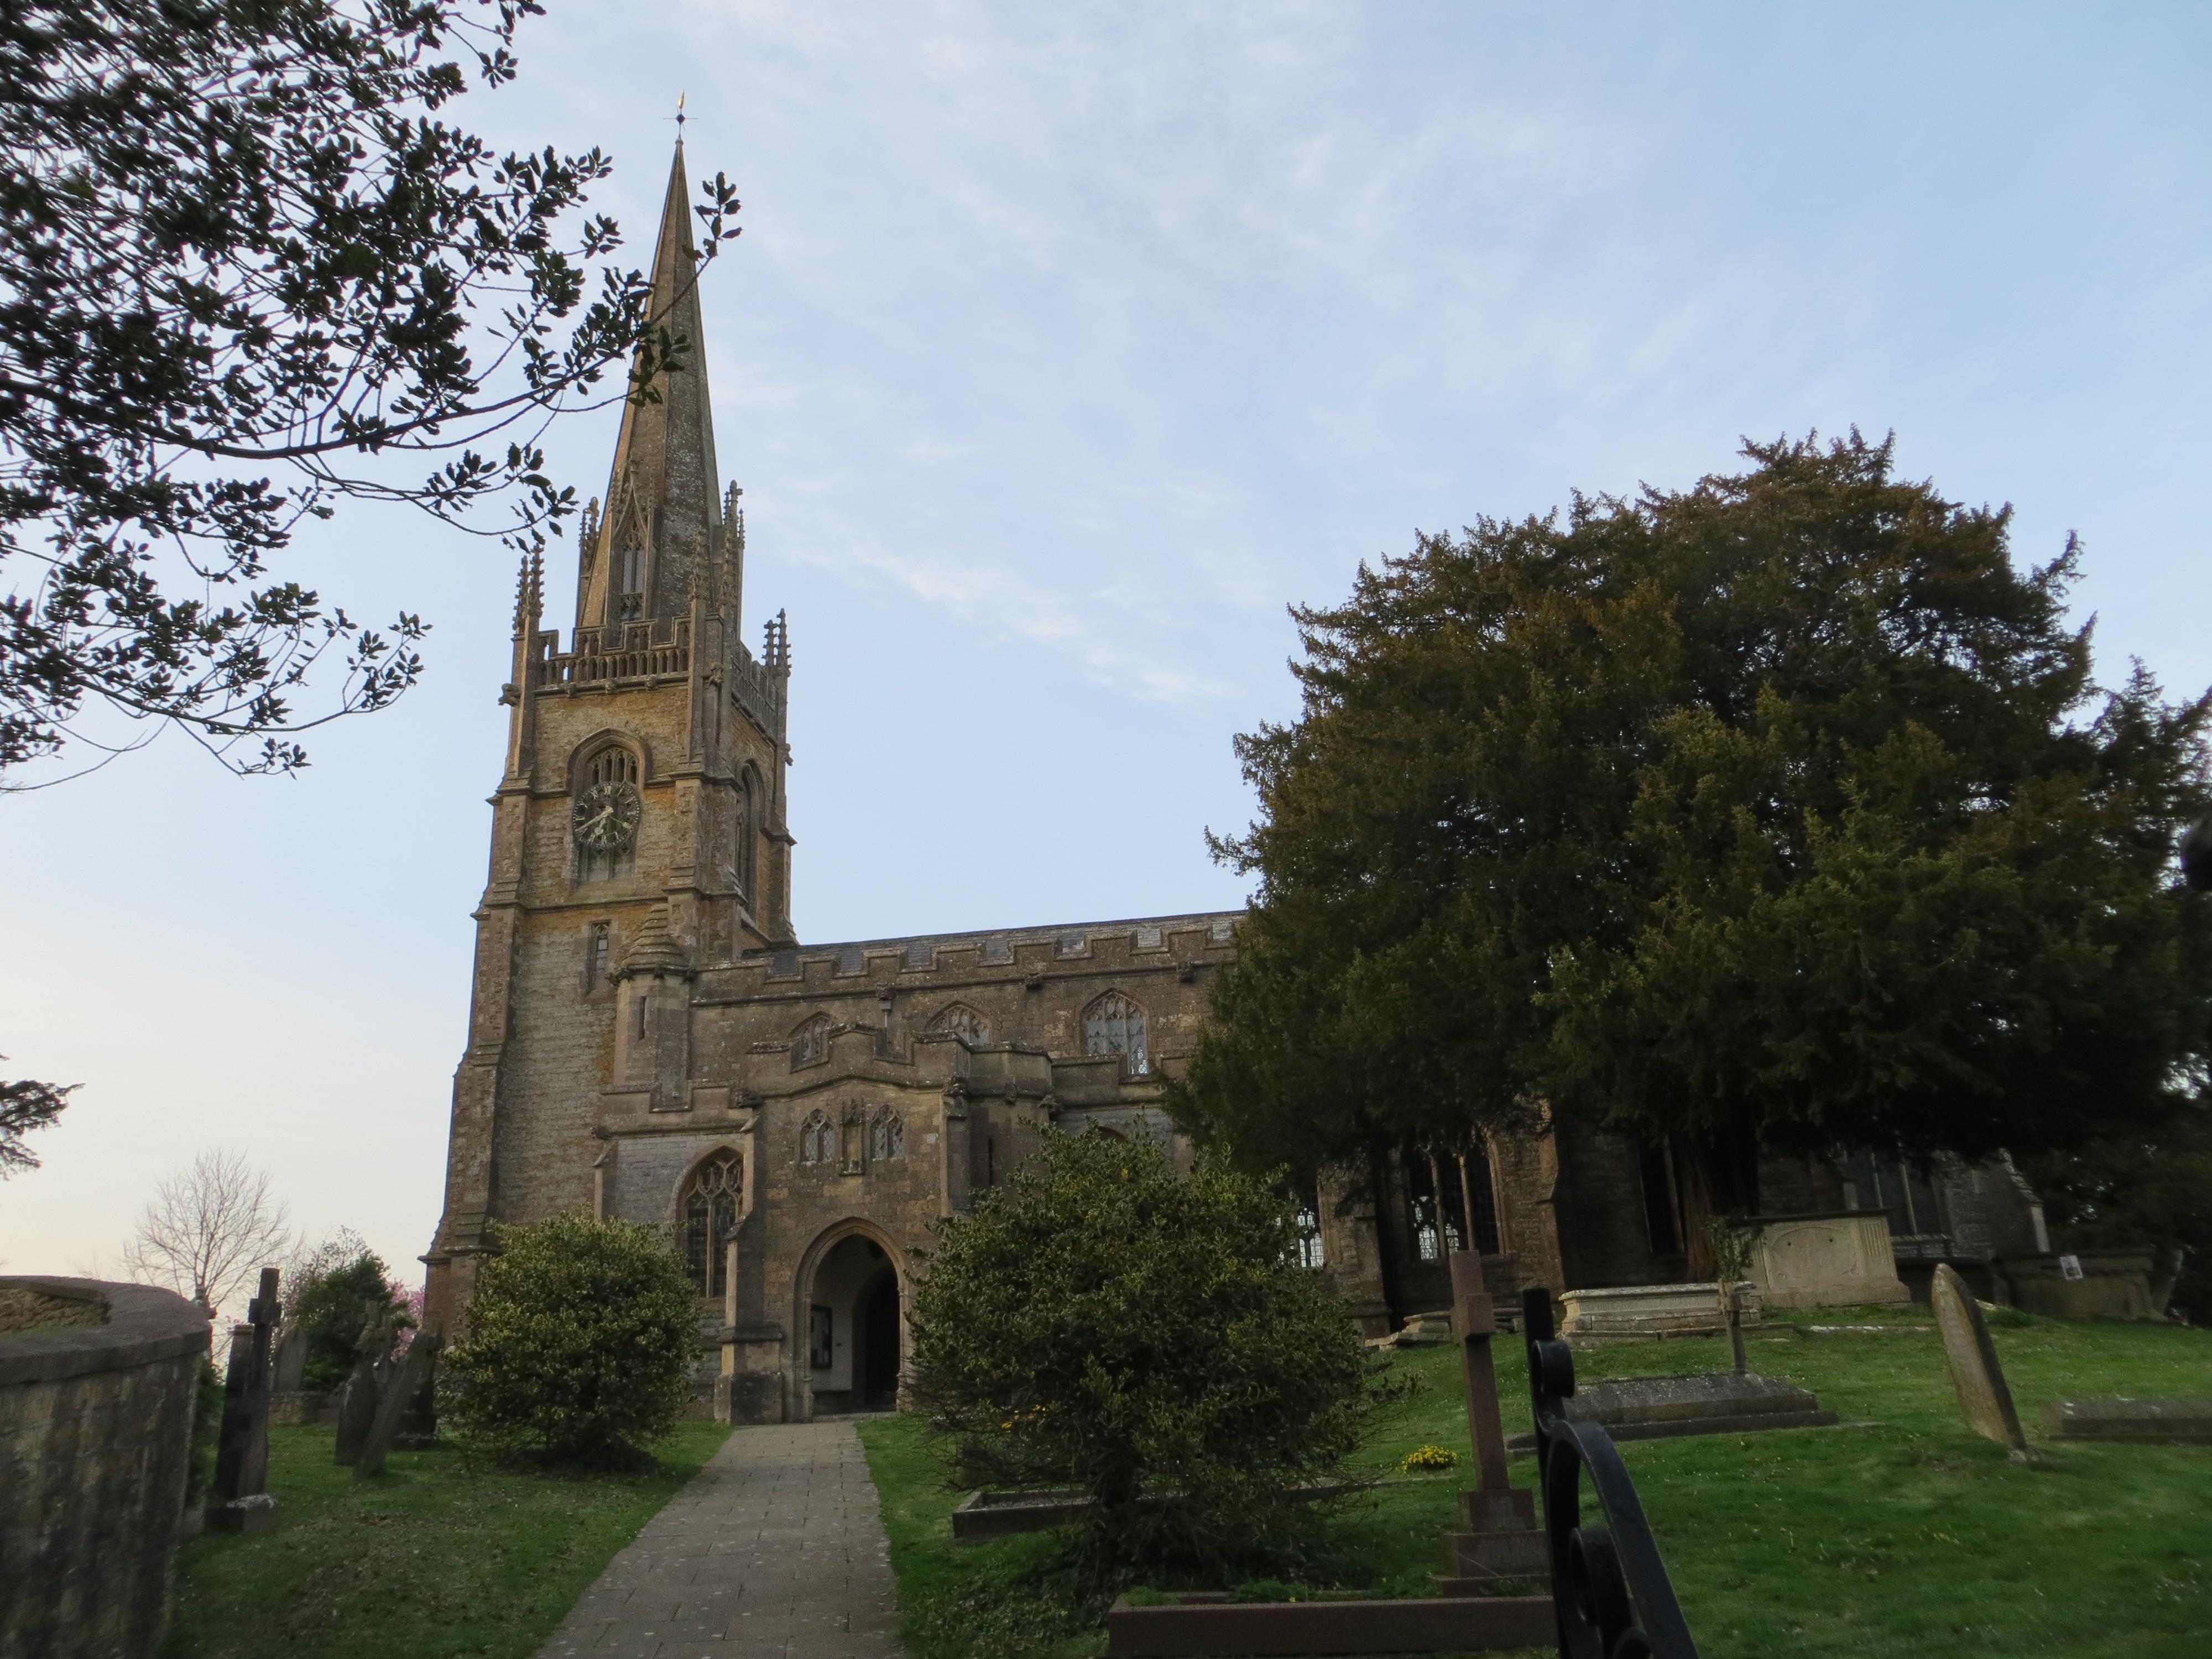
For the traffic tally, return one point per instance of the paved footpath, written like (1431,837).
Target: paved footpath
(775,1550)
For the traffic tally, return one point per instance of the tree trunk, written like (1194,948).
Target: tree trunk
(1713,1181)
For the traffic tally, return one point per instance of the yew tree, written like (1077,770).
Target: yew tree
(1780,811)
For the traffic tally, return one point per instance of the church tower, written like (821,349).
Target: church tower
(639,830)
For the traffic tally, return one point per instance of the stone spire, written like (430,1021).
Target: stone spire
(661,520)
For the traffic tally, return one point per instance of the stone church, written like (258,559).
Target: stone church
(649,1039)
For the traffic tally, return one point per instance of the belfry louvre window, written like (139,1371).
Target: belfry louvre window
(809,1043)
(1115,1025)
(710,1221)
(611,765)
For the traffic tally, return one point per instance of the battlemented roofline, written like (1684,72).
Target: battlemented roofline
(995,944)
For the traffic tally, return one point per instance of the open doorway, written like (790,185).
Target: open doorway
(853,1337)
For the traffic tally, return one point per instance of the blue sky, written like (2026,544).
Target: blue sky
(1064,347)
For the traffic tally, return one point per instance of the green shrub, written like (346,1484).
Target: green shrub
(1099,1321)
(579,1344)
(332,1309)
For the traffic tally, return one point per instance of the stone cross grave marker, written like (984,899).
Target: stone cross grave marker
(1502,1539)
(1976,1376)
(240,1501)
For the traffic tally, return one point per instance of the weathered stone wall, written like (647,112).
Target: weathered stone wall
(95,1433)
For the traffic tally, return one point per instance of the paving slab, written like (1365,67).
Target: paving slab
(775,1550)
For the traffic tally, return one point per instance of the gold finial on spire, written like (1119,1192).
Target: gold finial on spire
(679,116)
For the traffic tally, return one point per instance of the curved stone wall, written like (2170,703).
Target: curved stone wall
(95,1443)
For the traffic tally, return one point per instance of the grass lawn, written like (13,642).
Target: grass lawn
(1898,1533)
(444,1556)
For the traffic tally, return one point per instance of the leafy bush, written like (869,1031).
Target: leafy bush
(1099,1321)
(333,1309)
(580,1344)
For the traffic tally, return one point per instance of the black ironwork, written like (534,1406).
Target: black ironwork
(1609,1589)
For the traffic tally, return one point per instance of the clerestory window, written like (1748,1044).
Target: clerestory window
(809,1043)
(1115,1025)
(960,1021)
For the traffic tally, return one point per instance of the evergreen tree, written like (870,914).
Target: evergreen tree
(1780,811)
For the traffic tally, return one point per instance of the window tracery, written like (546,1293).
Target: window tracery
(710,1220)
(817,1139)
(886,1137)
(959,1019)
(1115,1025)
(809,1043)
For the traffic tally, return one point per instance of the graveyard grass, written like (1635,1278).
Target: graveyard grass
(443,1555)
(1899,1532)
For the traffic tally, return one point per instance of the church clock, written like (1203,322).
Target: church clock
(607,816)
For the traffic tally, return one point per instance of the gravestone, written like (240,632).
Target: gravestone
(1501,1539)
(364,1389)
(1710,1402)
(241,1500)
(1976,1376)
(2138,1422)
(401,1390)
(290,1358)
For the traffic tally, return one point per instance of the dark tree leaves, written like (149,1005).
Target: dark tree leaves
(1778,811)
(247,269)
(24,1106)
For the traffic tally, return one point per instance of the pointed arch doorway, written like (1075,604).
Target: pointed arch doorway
(852,1314)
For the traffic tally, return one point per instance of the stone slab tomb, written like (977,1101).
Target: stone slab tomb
(1664,1407)
(1639,1312)
(1975,1377)
(2137,1422)
(1838,1259)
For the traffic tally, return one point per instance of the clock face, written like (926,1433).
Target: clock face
(607,816)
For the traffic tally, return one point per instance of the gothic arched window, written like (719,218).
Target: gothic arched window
(1312,1254)
(748,859)
(710,1220)
(886,1137)
(817,1139)
(960,1021)
(809,1043)
(1115,1025)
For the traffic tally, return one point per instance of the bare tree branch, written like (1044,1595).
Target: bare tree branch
(209,1228)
